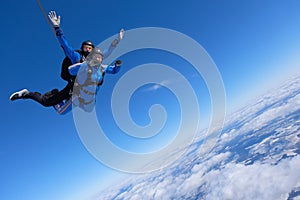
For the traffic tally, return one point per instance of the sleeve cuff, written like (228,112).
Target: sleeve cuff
(58,31)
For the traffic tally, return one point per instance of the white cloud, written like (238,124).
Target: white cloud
(157,86)
(215,177)
(257,181)
(233,181)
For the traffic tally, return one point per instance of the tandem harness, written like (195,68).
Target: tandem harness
(77,88)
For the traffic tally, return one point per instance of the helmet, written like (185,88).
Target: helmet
(97,51)
(87,42)
(93,58)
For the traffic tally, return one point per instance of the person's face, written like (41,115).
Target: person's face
(97,58)
(87,48)
(94,60)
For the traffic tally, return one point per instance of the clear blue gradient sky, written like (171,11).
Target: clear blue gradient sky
(255,44)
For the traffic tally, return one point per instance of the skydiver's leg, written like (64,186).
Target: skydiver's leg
(48,99)
(52,92)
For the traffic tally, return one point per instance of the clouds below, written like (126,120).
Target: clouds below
(256,158)
(257,181)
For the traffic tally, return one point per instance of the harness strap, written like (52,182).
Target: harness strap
(88,92)
(83,102)
(80,87)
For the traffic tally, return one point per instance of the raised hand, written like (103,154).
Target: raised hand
(54,19)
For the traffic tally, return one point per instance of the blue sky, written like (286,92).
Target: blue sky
(255,45)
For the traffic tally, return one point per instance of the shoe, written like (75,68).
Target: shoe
(18,95)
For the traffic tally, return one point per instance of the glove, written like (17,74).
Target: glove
(116,41)
(121,34)
(55,20)
(118,63)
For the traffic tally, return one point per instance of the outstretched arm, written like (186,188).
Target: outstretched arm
(115,68)
(113,45)
(68,50)
(73,69)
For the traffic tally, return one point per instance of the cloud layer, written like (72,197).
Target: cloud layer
(256,158)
